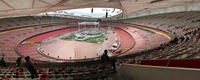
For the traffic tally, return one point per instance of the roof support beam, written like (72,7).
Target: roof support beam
(7,4)
(33,2)
(45,2)
(57,4)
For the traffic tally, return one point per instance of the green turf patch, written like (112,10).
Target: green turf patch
(50,25)
(97,40)
(45,26)
(143,29)
(70,38)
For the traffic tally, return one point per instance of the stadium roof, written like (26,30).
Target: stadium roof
(26,7)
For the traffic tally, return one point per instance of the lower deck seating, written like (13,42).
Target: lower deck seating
(184,46)
(87,72)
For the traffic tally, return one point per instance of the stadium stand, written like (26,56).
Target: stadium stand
(148,40)
(183,47)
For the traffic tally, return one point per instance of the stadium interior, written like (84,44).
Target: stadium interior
(100,39)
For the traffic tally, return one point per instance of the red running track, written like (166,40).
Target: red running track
(126,40)
(31,50)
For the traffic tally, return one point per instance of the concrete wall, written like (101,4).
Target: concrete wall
(138,72)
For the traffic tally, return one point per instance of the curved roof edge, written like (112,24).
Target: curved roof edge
(179,8)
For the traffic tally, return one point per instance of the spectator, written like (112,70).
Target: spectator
(113,61)
(3,55)
(3,62)
(18,61)
(104,57)
(199,35)
(77,78)
(18,64)
(31,68)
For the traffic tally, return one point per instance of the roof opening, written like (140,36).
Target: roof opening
(88,12)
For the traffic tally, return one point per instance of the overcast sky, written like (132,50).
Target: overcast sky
(86,12)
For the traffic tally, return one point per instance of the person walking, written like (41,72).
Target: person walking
(31,68)
(3,62)
(104,57)
(18,62)
(113,61)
